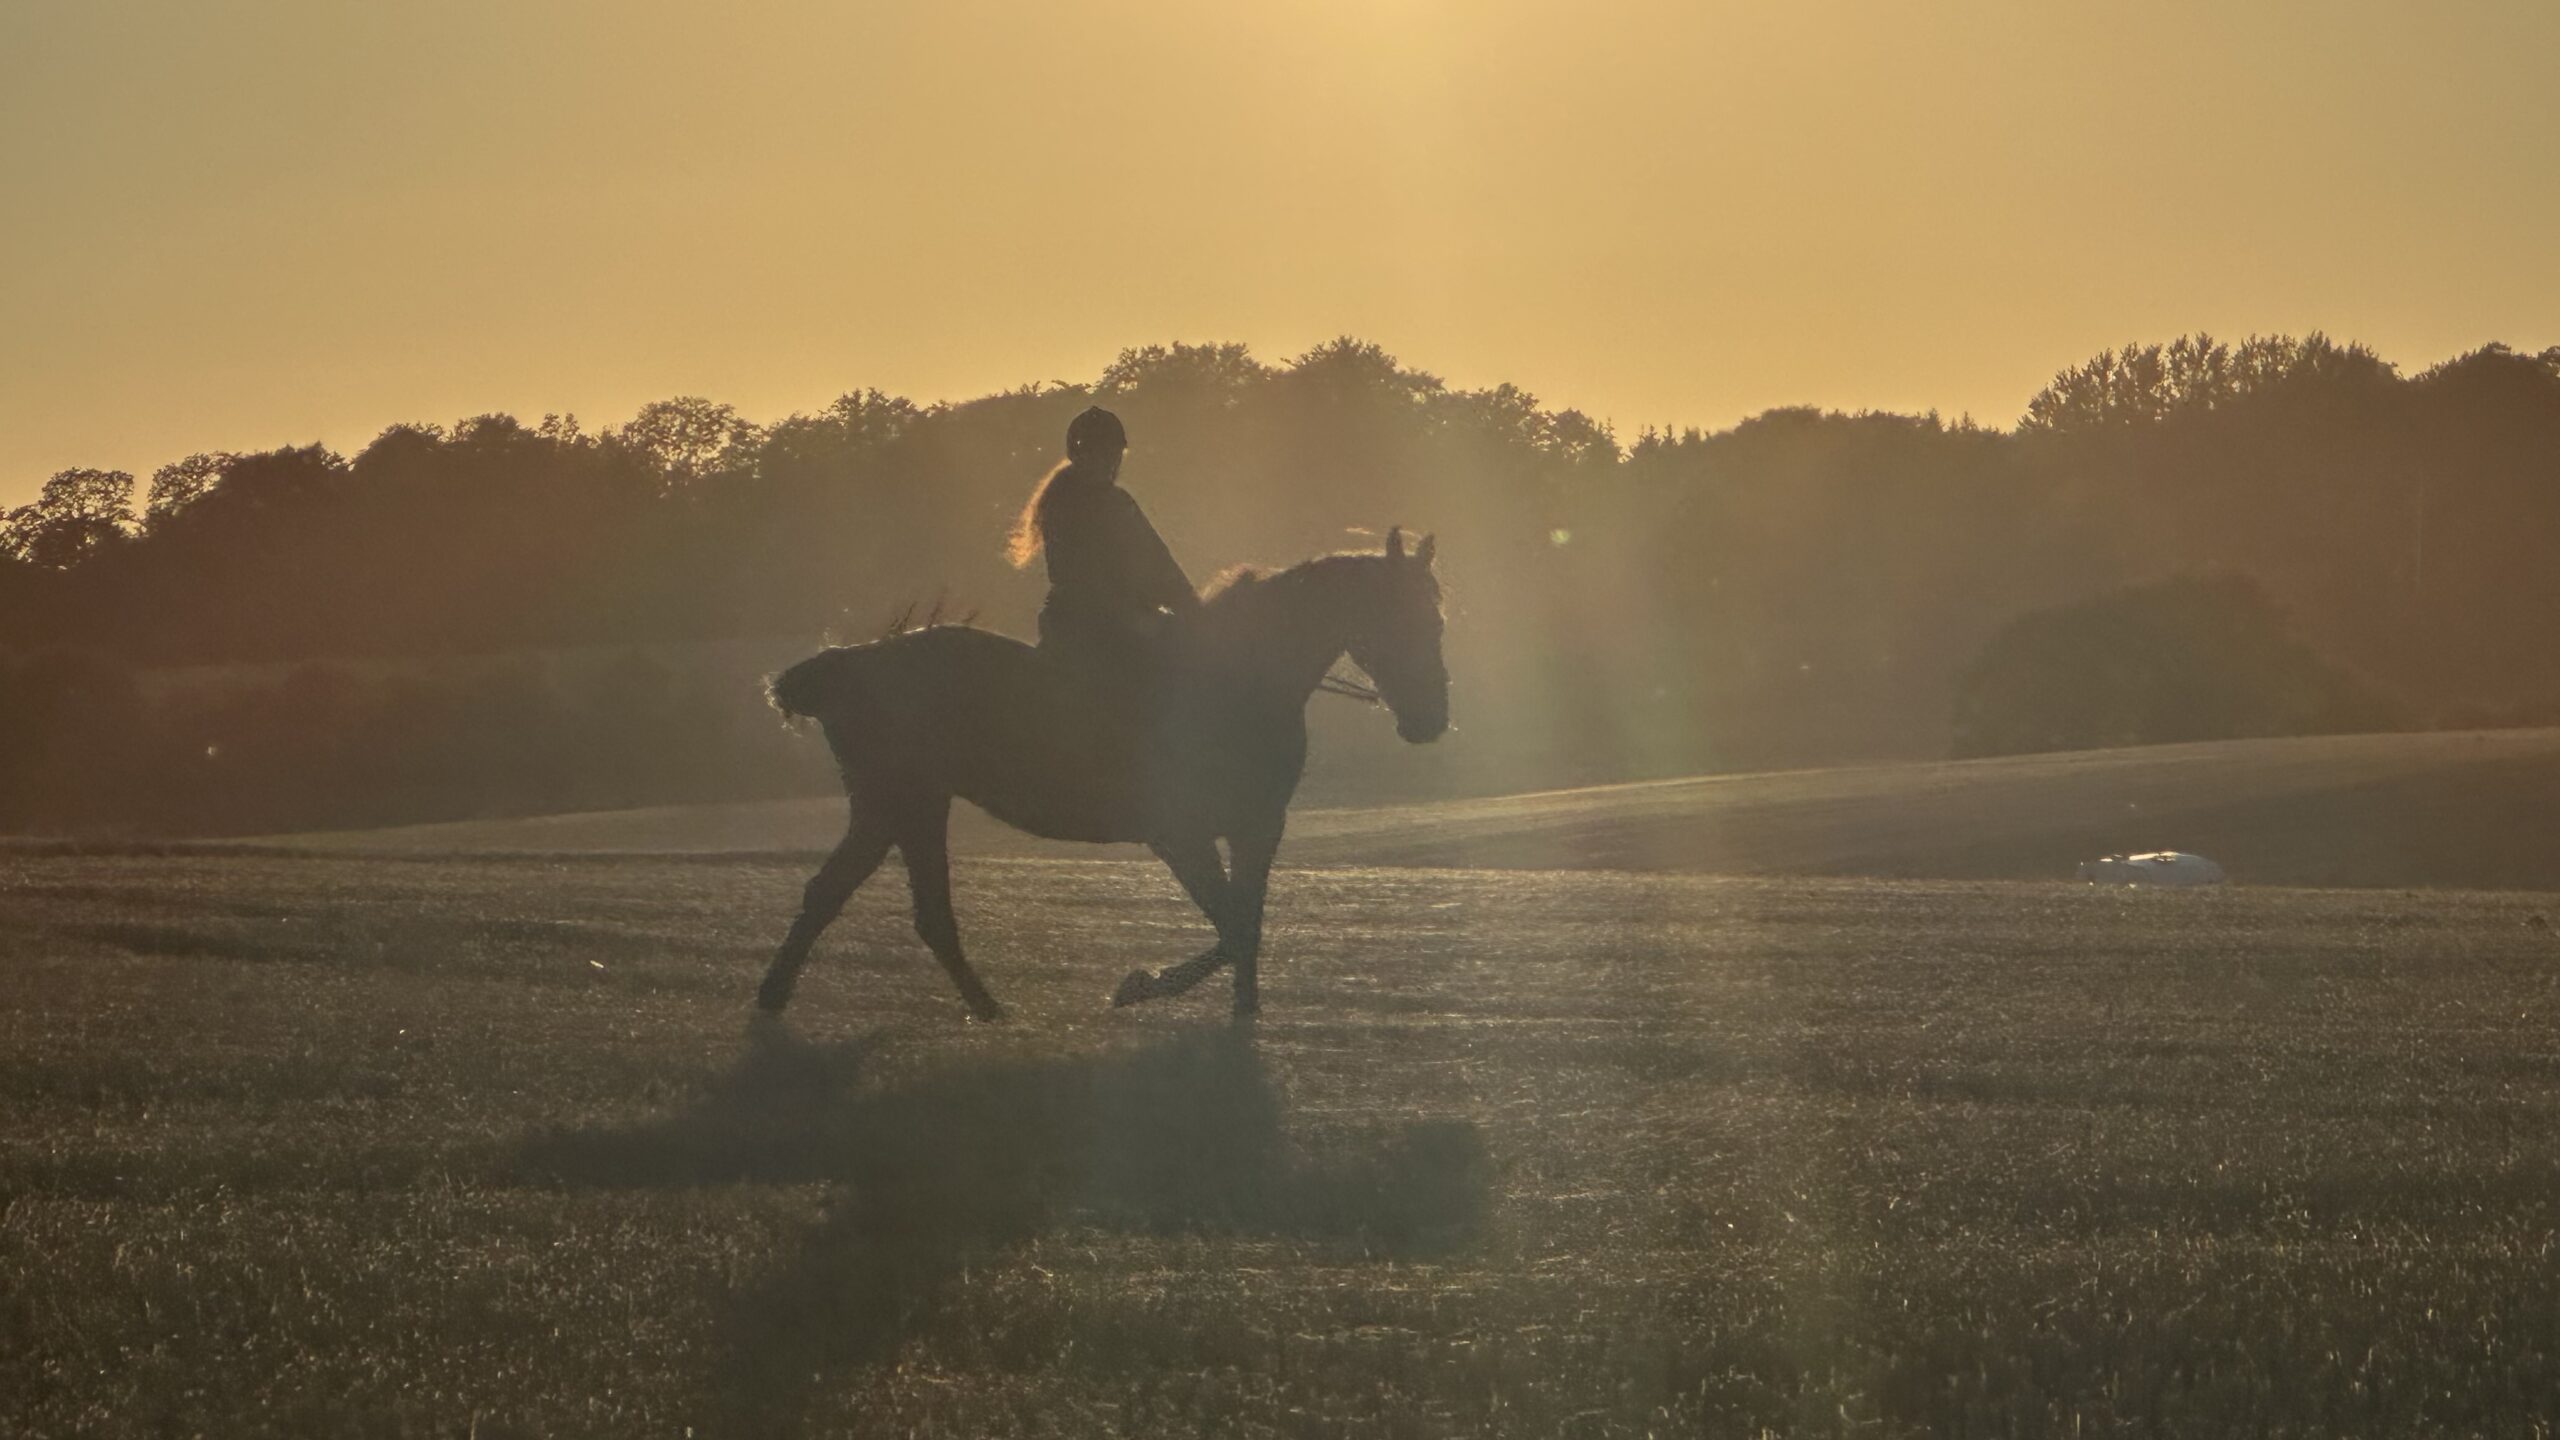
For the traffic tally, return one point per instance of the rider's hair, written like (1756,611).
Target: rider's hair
(1030,528)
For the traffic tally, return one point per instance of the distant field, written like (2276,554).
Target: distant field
(2470,810)
(344,1144)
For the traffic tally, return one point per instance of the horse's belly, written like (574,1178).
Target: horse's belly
(1113,803)
(1089,823)
(1057,796)
(1044,756)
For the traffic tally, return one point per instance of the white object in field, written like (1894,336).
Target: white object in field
(2160,867)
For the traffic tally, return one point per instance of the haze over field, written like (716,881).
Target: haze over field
(2455,811)
(239,227)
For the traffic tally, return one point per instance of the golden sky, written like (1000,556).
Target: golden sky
(236,225)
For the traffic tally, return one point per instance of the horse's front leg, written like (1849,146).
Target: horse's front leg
(1248,883)
(1195,863)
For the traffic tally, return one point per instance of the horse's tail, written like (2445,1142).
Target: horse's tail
(823,682)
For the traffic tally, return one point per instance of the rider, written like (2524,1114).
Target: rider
(1111,579)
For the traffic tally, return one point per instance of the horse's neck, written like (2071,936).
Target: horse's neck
(1290,634)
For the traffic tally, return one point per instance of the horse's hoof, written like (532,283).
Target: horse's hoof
(987,1014)
(1139,986)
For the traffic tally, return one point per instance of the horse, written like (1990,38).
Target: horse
(1209,748)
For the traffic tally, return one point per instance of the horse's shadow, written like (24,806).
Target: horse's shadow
(934,1175)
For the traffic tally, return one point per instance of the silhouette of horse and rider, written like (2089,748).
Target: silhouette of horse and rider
(1146,714)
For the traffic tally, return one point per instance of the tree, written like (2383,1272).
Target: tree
(1218,373)
(687,437)
(870,419)
(79,513)
(1344,367)
(833,443)
(2141,385)
(2195,658)
(182,483)
(277,486)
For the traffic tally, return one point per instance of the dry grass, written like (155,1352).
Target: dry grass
(368,1146)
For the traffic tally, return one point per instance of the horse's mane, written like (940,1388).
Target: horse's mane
(1242,581)
(1232,579)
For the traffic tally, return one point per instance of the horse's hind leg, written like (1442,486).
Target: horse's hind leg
(865,845)
(924,839)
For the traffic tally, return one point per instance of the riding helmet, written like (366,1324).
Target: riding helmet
(1096,434)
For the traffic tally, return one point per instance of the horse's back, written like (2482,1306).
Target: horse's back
(982,716)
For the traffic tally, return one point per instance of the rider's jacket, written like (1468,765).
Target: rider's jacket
(1109,574)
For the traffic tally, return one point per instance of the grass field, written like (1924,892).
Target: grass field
(363,1145)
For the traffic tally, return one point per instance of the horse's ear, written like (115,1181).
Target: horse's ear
(1395,542)
(1429,547)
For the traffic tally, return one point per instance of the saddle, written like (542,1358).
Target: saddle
(1124,659)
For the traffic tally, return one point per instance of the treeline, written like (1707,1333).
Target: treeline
(1804,587)
(2190,658)
(87,747)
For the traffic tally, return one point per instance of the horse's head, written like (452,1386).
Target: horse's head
(1398,642)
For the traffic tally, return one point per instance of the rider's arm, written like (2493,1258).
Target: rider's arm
(1151,566)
